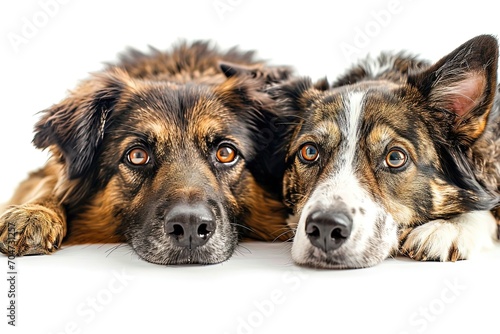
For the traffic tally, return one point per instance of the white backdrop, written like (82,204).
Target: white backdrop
(47,46)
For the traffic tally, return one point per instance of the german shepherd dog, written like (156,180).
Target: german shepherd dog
(397,155)
(164,151)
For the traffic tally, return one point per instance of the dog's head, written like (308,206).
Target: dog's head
(375,155)
(163,164)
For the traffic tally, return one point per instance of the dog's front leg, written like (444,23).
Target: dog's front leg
(455,239)
(35,221)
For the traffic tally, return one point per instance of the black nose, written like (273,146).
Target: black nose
(327,230)
(190,225)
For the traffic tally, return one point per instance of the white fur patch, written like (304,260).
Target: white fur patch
(354,110)
(343,186)
(468,233)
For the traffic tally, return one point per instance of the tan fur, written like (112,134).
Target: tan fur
(440,196)
(36,213)
(266,216)
(55,203)
(97,224)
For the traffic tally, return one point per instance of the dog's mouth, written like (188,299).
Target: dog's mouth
(334,238)
(174,250)
(196,256)
(186,233)
(318,259)
(344,258)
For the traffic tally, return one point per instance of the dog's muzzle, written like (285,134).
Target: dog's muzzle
(190,225)
(328,230)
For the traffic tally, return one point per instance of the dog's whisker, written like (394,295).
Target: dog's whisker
(243,226)
(116,247)
(287,231)
(240,246)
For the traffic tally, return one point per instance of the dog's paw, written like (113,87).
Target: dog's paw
(30,229)
(449,240)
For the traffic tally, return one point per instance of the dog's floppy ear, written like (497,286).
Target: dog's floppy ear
(76,125)
(270,74)
(463,83)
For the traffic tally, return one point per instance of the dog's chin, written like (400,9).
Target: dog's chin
(161,250)
(199,256)
(351,255)
(316,258)
(370,241)
(173,255)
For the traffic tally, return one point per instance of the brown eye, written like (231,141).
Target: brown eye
(396,158)
(226,154)
(138,157)
(309,153)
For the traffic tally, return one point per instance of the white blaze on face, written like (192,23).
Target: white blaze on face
(343,185)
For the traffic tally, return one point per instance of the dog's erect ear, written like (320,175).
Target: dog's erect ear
(76,125)
(463,83)
(270,74)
